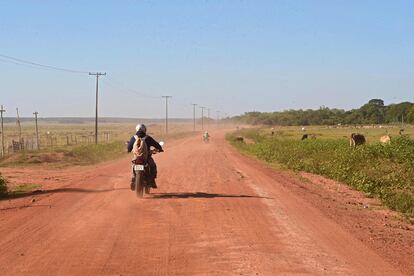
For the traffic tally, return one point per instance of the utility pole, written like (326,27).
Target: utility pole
(97,74)
(37,131)
(2,131)
(208,117)
(19,126)
(218,117)
(202,117)
(194,117)
(166,112)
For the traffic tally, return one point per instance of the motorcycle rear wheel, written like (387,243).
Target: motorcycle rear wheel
(139,184)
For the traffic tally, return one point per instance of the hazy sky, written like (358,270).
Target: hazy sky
(233,56)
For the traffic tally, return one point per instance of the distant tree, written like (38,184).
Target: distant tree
(377,102)
(353,117)
(397,112)
(410,115)
(374,112)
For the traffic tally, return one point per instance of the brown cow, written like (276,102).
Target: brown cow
(356,139)
(239,139)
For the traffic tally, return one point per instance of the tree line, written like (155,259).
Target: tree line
(373,112)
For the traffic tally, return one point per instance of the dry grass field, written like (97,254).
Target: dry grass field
(74,142)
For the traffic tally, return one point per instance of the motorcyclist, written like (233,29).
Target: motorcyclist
(206,136)
(150,142)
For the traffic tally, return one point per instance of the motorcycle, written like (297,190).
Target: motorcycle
(142,174)
(206,138)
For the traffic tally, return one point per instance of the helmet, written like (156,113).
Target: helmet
(141,127)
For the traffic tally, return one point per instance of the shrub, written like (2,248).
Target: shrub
(3,185)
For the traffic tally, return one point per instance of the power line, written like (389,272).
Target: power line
(24,65)
(20,61)
(36,65)
(124,88)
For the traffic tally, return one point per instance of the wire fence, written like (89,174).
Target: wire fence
(14,144)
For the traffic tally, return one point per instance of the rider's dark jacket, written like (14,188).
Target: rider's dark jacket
(148,140)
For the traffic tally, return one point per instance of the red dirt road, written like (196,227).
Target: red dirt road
(216,212)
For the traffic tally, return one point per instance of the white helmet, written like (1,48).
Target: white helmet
(141,127)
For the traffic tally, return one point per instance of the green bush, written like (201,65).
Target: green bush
(386,171)
(3,185)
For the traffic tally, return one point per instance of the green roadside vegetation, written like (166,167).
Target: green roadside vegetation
(385,171)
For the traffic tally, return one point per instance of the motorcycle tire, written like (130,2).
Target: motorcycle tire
(139,184)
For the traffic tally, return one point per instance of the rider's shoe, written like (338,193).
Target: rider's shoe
(133,184)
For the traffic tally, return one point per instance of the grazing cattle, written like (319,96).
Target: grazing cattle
(385,139)
(356,139)
(239,139)
(308,136)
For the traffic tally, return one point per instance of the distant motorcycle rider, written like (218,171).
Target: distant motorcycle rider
(206,136)
(150,142)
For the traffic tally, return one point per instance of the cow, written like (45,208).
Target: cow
(356,139)
(385,139)
(308,136)
(239,139)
